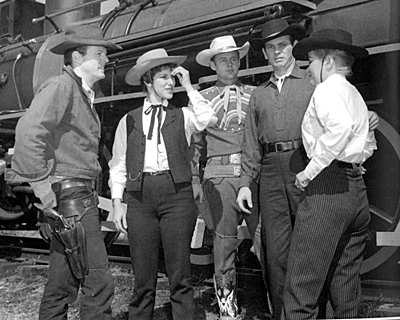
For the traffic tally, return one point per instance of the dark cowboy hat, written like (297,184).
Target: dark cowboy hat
(85,35)
(277,28)
(149,60)
(328,39)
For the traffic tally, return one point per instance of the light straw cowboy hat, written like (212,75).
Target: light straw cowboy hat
(221,45)
(149,60)
(85,35)
(328,39)
(277,28)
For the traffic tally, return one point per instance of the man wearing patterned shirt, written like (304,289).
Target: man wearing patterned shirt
(222,141)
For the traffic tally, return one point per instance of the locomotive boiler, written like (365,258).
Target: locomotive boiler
(185,27)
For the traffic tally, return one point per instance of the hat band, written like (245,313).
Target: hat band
(273,34)
(228,47)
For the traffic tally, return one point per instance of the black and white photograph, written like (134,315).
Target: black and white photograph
(199,159)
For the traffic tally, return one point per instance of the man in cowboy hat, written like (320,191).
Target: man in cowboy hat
(151,161)
(273,147)
(56,151)
(272,144)
(329,236)
(222,144)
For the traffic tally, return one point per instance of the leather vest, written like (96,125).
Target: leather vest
(173,132)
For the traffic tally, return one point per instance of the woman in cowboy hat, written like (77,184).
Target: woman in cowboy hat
(330,231)
(56,151)
(151,161)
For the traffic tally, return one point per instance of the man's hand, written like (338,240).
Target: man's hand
(373,120)
(119,216)
(44,227)
(244,199)
(198,192)
(301,181)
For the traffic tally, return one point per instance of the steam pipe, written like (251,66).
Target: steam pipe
(222,25)
(17,59)
(58,29)
(134,16)
(112,15)
(114,71)
(105,20)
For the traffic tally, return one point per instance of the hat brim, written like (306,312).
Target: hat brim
(137,71)
(204,57)
(70,44)
(302,48)
(295,30)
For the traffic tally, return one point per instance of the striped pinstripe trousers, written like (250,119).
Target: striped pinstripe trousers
(328,241)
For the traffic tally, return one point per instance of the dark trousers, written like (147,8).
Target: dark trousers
(161,213)
(327,245)
(221,194)
(62,287)
(279,198)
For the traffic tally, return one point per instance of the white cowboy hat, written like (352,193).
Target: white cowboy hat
(221,45)
(149,60)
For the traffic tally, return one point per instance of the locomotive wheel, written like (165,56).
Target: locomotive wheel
(385,169)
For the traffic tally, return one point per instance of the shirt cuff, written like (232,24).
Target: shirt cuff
(312,170)
(195,97)
(41,188)
(117,191)
(245,181)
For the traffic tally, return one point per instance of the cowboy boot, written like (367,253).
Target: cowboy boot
(225,289)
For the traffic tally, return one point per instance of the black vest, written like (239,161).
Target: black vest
(173,132)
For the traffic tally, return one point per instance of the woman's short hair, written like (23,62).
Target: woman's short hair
(343,59)
(149,75)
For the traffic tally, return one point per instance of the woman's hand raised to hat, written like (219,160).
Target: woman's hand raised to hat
(184,78)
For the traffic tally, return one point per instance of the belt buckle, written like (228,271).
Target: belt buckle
(280,146)
(236,171)
(157,173)
(284,146)
(235,158)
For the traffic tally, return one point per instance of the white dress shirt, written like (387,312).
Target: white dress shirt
(196,118)
(336,126)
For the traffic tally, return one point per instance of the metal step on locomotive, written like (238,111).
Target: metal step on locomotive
(185,27)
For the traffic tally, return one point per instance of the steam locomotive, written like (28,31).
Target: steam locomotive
(184,27)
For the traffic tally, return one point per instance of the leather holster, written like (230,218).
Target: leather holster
(70,232)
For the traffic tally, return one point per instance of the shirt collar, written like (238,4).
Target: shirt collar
(295,72)
(221,85)
(89,91)
(147,104)
(290,69)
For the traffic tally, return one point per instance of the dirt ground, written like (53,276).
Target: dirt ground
(21,289)
(21,294)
